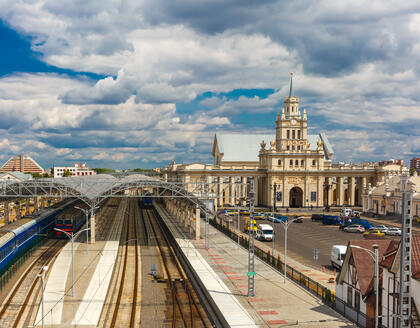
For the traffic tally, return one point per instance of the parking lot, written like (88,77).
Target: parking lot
(304,237)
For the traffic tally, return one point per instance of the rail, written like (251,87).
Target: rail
(213,312)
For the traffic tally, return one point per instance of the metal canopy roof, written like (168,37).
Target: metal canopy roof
(94,189)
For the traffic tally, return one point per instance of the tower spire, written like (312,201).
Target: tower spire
(291,92)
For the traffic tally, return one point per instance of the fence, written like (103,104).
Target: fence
(325,294)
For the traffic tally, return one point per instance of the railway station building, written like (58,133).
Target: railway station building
(289,167)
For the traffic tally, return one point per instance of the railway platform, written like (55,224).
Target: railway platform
(223,268)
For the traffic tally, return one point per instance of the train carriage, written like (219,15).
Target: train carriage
(69,221)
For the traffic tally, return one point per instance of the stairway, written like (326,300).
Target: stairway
(415,318)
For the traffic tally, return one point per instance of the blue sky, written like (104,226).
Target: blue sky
(139,84)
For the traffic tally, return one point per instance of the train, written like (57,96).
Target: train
(69,221)
(12,241)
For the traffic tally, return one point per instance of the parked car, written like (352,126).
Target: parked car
(393,231)
(316,217)
(299,219)
(353,220)
(354,228)
(331,220)
(278,218)
(259,216)
(376,233)
(381,228)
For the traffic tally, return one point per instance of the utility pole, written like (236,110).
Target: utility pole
(405,247)
(251,272)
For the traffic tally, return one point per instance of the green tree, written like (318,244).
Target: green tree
(36,175)
(67,173)
(412,170)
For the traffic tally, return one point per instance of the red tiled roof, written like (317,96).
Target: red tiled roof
(389,255)
(364,262)
(415,256)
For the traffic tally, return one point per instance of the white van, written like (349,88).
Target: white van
(338,253)
(264,232)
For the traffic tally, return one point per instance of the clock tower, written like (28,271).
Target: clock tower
(291,126)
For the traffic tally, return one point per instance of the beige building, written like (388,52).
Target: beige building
(290,167)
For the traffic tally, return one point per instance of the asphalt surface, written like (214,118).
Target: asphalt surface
(302,238)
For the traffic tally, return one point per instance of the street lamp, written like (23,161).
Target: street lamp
(42,276)
(274,196)
(72,236)
(375,257)
(285,226)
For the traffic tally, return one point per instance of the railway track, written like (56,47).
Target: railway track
(185,308)
(126,312)
(23,295)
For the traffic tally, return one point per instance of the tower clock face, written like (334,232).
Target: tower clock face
(293,122)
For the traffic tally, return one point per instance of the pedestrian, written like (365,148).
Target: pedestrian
(312,207)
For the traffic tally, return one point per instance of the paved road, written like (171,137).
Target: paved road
(304,237)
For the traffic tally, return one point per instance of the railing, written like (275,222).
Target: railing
(325,294)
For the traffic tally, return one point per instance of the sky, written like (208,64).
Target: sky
(135,83)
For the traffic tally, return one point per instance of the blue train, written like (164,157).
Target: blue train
(12,241)
(147,202)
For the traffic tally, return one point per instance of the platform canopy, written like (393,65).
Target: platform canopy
(95,188)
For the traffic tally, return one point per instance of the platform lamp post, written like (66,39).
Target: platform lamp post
(86,211)
(375,257)
(286,226)
(72,236)
(42,276)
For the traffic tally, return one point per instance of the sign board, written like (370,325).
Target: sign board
(251,273)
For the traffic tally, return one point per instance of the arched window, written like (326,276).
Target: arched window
(302,162)
(297,162)
(291,162)
(313,162)
(288,147)
(293,134)
(298,134)
(288,134)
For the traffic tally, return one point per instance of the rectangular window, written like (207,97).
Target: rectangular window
(297,162)
(298,134)
(313,162)
(349,296)
(293,147)
(288,134)
(293,134)
(291,162)
(288,148)
(302,162)
(279,162)
(357,301)
(313,196)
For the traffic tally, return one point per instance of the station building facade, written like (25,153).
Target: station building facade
(290,168)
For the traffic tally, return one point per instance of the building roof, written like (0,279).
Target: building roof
(17,175)
(392,256)
(363,261)
(394,183)
(29,165)
(241,147)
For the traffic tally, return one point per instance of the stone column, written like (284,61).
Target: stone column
(197,223)
(283,192)
(219,192)
(231,191)
(340,191)
(320,192)
(92,229)
(243,189)
(351,190)
(6,215)
(256,186)
(328,182)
